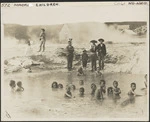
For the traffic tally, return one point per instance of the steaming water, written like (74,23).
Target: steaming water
(39,101)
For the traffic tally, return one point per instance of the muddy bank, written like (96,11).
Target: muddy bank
(128,57)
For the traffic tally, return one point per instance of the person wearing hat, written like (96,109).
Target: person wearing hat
(93,55)
(101,49)
(70,50)
(85,58)
(42,39)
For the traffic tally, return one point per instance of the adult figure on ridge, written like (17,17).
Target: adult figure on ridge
(70,53)
(42,40)
(101,49)
(93,55)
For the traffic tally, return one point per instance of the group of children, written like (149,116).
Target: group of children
(81,72)
(13,84)
(112,92)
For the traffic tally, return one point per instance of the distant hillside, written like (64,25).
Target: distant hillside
(23,33)
(80,32)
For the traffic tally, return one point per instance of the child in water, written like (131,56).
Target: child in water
(81,92)
(98,73)
(81,82)
(54,85)
(73,87)
(93,87)
(12,84)
(110,91)
(80,72)
(68,93)
(116,90)
(131,93)
(60,86)
(102,90)
(20,88)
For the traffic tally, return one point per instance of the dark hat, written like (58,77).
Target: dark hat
(84,51)
(101,40)
(93,41)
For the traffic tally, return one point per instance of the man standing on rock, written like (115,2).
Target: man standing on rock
(70,50)
(42,39)
(101,49)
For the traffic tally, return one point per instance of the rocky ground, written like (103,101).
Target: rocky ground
(121,57)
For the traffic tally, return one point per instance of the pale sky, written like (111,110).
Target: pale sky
(74,12)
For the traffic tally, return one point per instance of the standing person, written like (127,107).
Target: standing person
(42,39)
(101,48)
(84,58)
(70,50)
(93,55)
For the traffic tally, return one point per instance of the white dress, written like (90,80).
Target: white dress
(28,51)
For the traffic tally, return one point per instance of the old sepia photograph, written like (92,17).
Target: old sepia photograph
(83,61)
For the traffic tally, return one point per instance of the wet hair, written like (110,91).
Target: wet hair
(12,83)
(133,84)
(19,83)
(108,90)
(93,86)
(60,85)
(55,83)
(115,82)
(73,87)
(81,89)
(103,81)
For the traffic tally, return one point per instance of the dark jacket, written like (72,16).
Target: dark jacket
(70,50)
(85,57)
(93,48)
(101,49)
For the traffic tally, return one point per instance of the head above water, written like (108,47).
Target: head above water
(110,90)
(60,85)
(133,86)
(54,84)
(115,84)
(102,83)
(12,83)
(73,87)
(19,84)
(93,86)
(81,90)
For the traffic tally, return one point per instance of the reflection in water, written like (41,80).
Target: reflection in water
(39,94)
